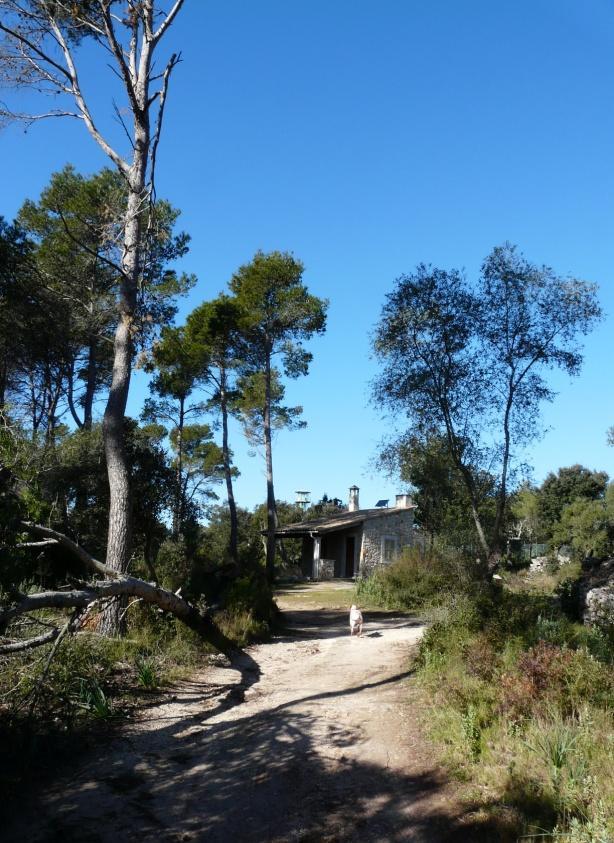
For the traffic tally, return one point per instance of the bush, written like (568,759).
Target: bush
(251,593)
(553,677)
(415,580)
(520,701)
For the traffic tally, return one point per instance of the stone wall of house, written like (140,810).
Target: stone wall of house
(396,525)
(326,569)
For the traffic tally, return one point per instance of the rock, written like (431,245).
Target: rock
(539,564)
(599,606)
(598,595)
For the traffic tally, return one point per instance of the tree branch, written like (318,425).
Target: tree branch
(21,39)
(174,60)
(29,643)
(80,553)
(167,21)
(81,104)
(123,586)
(119,56)
(92,252)
(32,118)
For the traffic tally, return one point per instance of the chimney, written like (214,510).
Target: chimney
(353,499)
(403,501)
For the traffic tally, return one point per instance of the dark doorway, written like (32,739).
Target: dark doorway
(350,546)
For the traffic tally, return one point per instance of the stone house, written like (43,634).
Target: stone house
(354,542)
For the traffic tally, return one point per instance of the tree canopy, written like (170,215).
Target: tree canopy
(468,362)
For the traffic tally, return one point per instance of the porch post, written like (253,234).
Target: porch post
(316,557)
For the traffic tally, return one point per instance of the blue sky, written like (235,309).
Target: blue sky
(366,137)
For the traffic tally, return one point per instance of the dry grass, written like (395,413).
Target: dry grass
(318,595)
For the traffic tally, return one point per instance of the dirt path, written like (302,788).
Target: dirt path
(325,746)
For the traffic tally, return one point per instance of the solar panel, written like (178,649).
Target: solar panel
(382,502)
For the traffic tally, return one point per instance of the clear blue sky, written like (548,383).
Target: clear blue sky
(366,137)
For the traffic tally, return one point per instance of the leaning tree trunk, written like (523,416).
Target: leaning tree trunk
(475,514)
(3,383)
(179,502)
(232,507)
(497,541)
(119,540)
(90,383)
(271,509)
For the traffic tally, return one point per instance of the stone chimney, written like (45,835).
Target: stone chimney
(403,501)
(353,499)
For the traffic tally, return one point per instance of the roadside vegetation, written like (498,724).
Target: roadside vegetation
(517,694)
(56,698)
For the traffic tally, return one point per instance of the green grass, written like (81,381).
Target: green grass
(316,596)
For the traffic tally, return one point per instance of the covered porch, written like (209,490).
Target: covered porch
(331,548)
(331,555)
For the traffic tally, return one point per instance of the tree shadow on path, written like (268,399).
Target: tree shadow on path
(270,776)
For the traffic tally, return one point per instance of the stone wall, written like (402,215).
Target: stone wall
(395,525)
(326,569)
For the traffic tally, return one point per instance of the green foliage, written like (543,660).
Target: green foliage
(323,508)
(525,510)
(93,699)
(198,462)
(472,731)
(215,539)
(520,701)
(444,508)
(566,486)
(63,300)
(465,364)
(587,526)
(416,581)
(251,404)
(252,593)
(15,287)
(72,687)
(174,565)
(276,315)
(277,311)
(146,672)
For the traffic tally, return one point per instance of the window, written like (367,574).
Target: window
(389,548)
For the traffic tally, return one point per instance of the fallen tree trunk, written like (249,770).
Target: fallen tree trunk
(29,643)
(114,585)
(81,598)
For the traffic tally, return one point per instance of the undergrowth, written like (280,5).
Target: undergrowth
(47,705)
(517,696)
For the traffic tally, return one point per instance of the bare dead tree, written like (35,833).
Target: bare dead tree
(39,51)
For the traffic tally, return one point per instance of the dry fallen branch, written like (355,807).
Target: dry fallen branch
(114,585)
(29,643)
(123,587)
(68,627)
(76,550)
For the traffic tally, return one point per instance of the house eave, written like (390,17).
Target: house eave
(345,520)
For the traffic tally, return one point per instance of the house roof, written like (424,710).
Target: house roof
(318,526)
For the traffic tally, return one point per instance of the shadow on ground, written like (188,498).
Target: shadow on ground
(278,775)
(324,624)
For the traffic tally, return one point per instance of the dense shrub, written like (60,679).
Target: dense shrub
(416,580)
(248,609)
(547,676)
(512,683)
